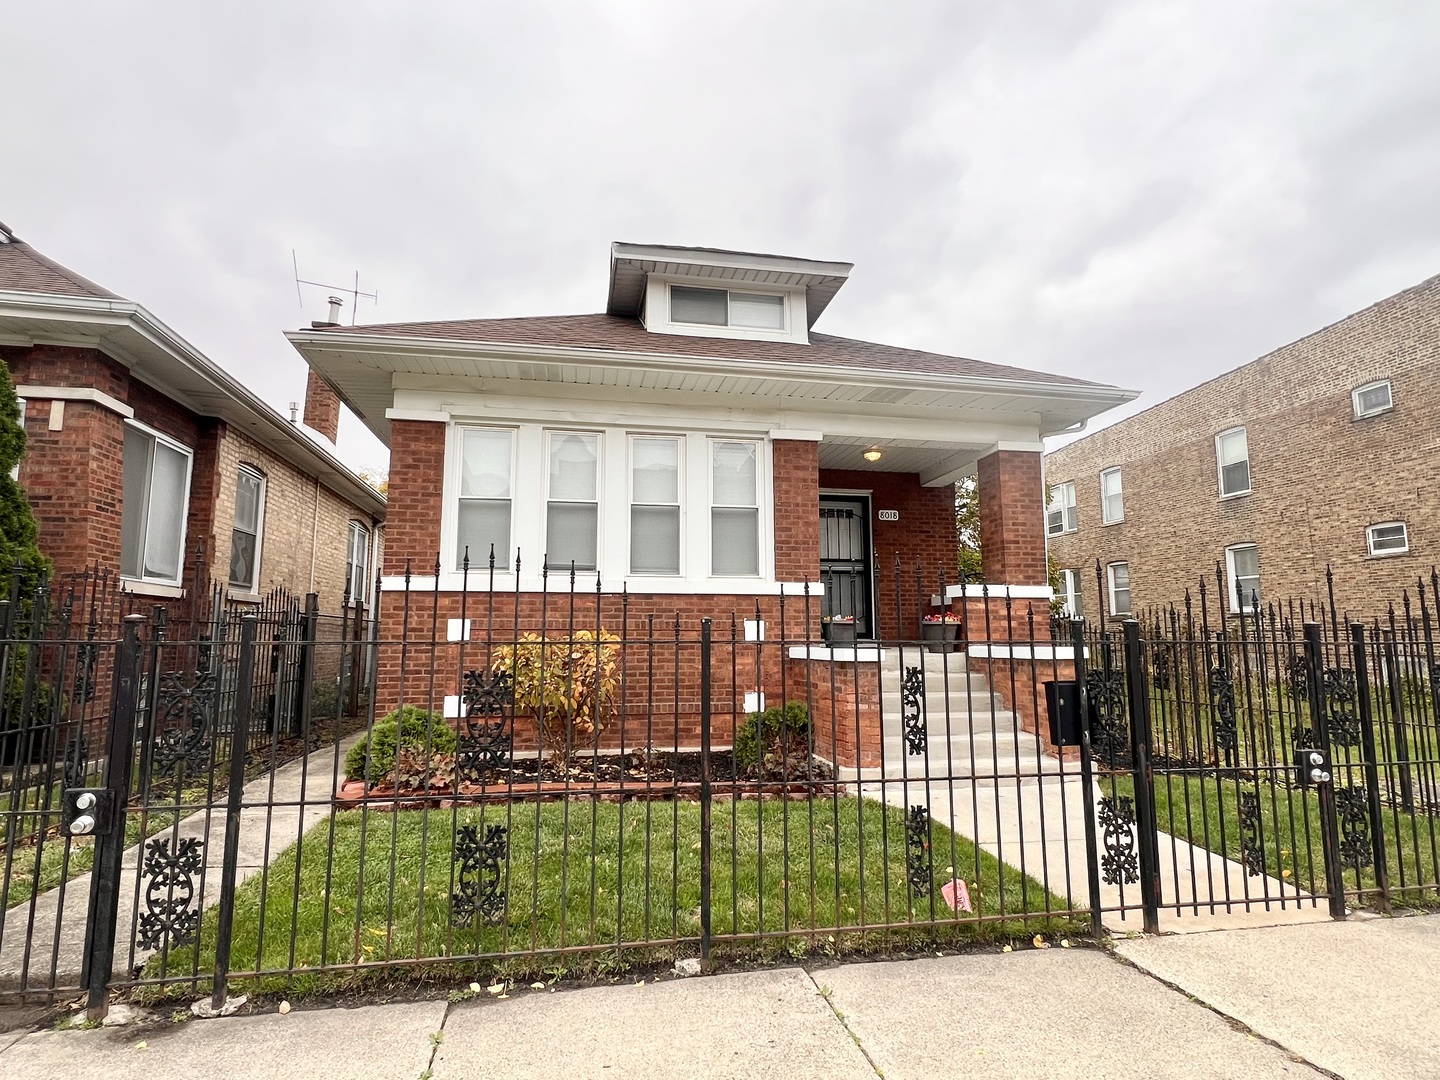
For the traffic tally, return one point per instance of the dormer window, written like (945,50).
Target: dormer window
(721,307)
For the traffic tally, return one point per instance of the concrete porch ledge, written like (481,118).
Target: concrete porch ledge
(859,655)
(1023,652)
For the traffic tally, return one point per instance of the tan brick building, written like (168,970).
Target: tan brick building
(1321,453)
(147,461)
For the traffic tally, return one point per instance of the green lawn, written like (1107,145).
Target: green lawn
(844,871)
(1206,814)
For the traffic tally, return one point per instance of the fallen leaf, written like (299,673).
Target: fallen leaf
(533,986)
(1007,948)
(284,1008)
(141,1045)
(1285,873)
(503,997)
(496,988)
(1064,942)
(474,988)
(1038,941)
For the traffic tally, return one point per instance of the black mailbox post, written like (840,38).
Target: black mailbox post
(1062,701)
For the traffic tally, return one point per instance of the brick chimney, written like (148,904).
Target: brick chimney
(322,407)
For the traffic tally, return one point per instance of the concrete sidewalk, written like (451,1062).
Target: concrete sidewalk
(1056,1013)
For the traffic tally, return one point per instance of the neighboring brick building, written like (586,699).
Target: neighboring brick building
(146,460)
(1322,453)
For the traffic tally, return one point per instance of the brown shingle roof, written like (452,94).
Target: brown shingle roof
(23,269)
(612,332)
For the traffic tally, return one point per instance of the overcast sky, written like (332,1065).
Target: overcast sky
(1143,193)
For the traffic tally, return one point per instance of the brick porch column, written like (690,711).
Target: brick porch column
(1012,518)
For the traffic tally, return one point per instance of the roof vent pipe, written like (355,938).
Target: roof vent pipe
(335,303)
(294,412)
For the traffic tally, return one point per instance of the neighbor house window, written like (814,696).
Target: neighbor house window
(572,512)
(483,518)
(1242,563)
(1232,454)
(1388,538)
(15,471)
(1071,594)
(654,505)
(1112,499)
(1060,517)
(1119,577)
(357,564)
(247,530)
(1372,398)
(156,494)
(721,307)
(734,508)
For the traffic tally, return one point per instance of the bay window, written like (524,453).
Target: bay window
(156,496)
(654,505)
(734,508)
(572,512)
(483,519)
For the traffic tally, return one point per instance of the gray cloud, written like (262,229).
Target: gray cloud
(1145,193)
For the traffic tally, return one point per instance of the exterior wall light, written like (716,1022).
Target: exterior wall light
(873,454)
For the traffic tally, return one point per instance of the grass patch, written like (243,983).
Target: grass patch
(608,875)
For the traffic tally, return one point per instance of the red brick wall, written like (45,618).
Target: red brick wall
(417,475)
(924,535)
(1012,518)
(797,510)
(322,407)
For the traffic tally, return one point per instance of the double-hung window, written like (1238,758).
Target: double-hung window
(572,513)
(734,508)
(1060,516)
(1232,458)
(1242,562)
(721,307)
(1071,594)
(156,495)
(483,515)
(247,530)
(1119,576)
(654,504)
(1112,498)
(1388,538)
(357,564)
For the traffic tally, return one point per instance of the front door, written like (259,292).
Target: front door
(845,559)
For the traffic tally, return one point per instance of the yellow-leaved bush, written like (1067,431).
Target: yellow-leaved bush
(568,684)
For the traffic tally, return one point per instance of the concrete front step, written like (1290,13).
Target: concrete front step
(976,704)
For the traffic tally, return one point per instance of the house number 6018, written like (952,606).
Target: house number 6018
(889,515)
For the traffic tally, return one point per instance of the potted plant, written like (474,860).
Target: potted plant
(939,632)
(839,629)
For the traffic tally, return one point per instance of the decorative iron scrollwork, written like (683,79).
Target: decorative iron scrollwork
(1109,734)
(1299,677)
(912,709)
(1304,738)
(1352,807)
(1161,662)
(485,745)
(917,848)
(186,745)
(77,753)
(1222,701)
(1117,823)
(488,697)
(172,914)
(1252,847)
(1342,704)
(478,890)
(87,655)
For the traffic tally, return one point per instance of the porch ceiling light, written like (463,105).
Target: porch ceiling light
(873,454)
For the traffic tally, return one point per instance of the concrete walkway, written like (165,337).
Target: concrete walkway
(60,914)
(1057,1013)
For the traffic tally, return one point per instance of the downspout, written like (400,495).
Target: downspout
(314,533)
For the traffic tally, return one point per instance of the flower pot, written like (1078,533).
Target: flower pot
(842,634)
(939,636)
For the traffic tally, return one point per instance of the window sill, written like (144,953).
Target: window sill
(151,588)
(1389,554)
(1117,521)
(1372,415)
(1237,495)
(242,596)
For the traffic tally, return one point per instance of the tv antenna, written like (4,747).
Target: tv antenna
(354,293)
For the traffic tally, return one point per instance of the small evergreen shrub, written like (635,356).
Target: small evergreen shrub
(372,759)
(768,742)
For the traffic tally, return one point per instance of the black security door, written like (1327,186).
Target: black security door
(845,559)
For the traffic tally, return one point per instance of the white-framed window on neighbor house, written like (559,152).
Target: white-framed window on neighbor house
(156,496)
(1242,567)
(1071,594)
(483,514)
(655,471)
(734,508)
(725,307)
(1232,460)
(357,563)
(1388,538)
(572,506)
(1060,515)
(248,529)
(1118,576)
(1372,398)
(1112,497)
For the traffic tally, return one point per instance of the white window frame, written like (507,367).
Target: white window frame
(1119,492)
(658,308)
(254,586)
(451,550)
(1110,587)
(762,556)
(189,455)
(1220,466)
(1355,394)
(1069,513)
(1070,591)
(360,595)
(631,438)
(15,472)
(1240,604)
(550,433)
(1370,539)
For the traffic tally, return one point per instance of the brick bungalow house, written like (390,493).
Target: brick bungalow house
(148,461)
(698,447)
